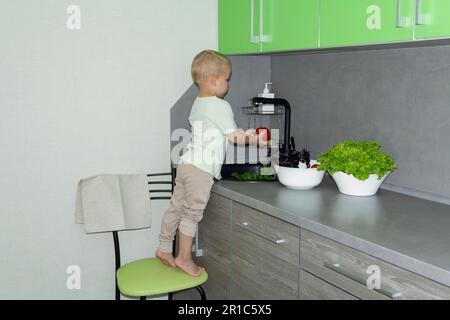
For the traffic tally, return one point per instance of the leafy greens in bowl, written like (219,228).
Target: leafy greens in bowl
(359,159)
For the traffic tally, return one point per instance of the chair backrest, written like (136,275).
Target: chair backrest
(158,190)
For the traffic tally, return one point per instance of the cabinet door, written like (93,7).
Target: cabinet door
(357,22)
(290,24)
(214,232)
(239,26)
(432,19)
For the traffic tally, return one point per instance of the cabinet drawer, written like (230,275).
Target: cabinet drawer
(314,288)
(347,269)
(265,256)
(266,233)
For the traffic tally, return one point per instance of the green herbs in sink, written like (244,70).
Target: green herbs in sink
(250,176)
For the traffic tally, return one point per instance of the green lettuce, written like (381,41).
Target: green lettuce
(359,159)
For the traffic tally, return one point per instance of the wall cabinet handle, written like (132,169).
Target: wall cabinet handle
(261,20)
(244,225)
(420,18)
(391,293)
(262,37)
(253,38)
(401,21)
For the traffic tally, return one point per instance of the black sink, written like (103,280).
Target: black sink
(229,169)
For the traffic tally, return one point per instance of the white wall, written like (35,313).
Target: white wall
(76,103)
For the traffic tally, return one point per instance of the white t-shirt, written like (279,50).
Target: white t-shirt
(211,119)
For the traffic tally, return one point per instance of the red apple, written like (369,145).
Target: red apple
(265,133)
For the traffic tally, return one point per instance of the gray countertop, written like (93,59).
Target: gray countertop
(409,232)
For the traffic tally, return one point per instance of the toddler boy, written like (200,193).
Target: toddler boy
(212,123)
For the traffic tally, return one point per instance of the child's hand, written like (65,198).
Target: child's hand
(250,132)
(238,137)
(247,137)
(253,139)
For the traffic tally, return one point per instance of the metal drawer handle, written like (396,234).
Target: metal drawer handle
(244,225)
(391,293)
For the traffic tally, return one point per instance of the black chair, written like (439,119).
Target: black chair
(148,277)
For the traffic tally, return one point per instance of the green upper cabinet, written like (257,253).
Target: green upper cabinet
(432,19)
(247,26)
(289,25)
(356,22)
(239,26)
(252,26)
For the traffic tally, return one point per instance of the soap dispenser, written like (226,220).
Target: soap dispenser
(266,108)
(266,92)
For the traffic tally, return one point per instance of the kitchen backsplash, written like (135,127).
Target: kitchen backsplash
(400,97)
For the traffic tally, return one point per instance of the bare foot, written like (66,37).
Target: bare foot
(189,266)
(166,258)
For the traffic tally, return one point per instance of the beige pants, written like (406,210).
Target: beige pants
(189,199)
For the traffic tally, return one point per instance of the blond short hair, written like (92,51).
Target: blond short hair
(209,63)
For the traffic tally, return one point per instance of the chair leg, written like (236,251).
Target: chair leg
(117,292)
(202,292)
(143,298)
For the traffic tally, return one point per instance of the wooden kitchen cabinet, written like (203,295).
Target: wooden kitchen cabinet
(214,233)
(347,269)
(264,256)
(214,241)
(249,254)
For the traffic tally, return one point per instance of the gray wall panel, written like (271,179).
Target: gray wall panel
(400,97)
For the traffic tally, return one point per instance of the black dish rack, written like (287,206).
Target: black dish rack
(286,144)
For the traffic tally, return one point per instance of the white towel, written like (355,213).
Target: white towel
(110,202)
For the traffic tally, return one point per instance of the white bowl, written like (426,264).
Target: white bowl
(299,178)
(352,186)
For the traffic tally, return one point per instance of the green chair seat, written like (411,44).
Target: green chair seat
(148,277)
